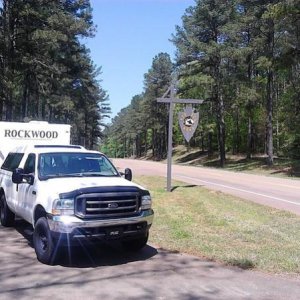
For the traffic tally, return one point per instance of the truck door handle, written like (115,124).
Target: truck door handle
(33,192)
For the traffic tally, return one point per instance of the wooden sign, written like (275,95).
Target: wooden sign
(188,121)
(190,118)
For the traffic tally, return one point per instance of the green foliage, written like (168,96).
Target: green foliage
(45,71)
(242,57)
(143,124)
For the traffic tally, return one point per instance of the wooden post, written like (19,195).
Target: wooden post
(172,101)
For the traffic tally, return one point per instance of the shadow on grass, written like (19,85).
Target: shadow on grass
(242,164)
(282,166)
(182,186)
(295,169)
(192,156)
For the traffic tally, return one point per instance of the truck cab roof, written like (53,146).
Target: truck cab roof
(50,148)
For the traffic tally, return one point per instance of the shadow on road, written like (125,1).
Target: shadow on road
(90,255)
(102,255)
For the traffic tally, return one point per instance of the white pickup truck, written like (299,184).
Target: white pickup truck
(71,195)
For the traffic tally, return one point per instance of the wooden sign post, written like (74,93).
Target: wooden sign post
(172,101)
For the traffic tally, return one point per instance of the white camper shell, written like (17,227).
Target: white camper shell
(14,134)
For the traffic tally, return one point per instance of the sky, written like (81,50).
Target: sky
(130,33)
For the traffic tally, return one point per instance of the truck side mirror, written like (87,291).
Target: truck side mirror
(128,174)
(29,178)
(17,176)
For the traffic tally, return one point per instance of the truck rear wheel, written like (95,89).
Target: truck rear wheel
(136,244)
(44,245)
(7,217)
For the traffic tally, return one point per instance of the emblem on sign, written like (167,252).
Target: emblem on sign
(188,121)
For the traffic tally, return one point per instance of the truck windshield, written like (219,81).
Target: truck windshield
(53,165)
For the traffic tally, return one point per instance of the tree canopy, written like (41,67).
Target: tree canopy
(243,58)
(46,72)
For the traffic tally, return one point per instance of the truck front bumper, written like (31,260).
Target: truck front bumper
(72,228)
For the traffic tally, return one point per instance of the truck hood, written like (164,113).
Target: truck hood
(69,184)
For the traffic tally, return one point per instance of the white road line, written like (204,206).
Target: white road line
(237,189)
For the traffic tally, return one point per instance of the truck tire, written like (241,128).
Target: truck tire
(7,217)
(43,242)
(136,244)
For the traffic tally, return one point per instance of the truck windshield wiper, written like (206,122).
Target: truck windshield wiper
(93,174)
(99,175)
(84,174)
(59,175)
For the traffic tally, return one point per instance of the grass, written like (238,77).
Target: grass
(223,228)
(283,167)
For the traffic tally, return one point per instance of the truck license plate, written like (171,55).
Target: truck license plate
(114,233)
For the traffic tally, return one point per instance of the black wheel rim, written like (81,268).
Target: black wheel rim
(43,242)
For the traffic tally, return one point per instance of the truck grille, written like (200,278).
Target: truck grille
(107,204)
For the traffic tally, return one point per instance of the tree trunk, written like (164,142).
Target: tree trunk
(153,143)
(269,125)
(137,150)
(221,131)
(8,56)
(1,110)
(146,142)
(202,142)
(39,105)
(249,139)
(24,103)
(270,93)
(236,134)
(9,108)
(210,147)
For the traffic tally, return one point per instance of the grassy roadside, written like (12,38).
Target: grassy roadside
(283,167)
(223,228)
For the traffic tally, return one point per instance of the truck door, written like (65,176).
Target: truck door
(11,162)
(26,192)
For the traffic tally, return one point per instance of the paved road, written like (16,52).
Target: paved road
(276,192)
(109,273)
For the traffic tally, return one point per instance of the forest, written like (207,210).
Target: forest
(242,57)
(46,72)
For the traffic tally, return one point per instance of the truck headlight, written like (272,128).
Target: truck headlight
(63,207)
(146,202)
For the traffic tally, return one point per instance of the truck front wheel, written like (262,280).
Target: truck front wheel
(7,217)
(136,244)
(44,245)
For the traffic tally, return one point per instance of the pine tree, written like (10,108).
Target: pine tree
(203,40)
(157,81)
(46,73)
